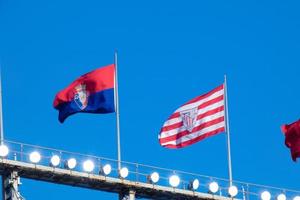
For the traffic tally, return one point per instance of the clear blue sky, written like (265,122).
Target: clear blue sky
(169,52)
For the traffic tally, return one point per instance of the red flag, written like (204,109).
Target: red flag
(292,138)
(90,93)
(199,118)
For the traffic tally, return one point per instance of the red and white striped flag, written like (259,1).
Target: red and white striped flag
(199,118)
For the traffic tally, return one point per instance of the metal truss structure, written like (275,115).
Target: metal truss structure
(18,162)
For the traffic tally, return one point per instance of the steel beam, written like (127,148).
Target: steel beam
(99,182)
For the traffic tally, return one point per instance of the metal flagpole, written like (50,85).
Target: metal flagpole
(227,132)
(116,99)
(1,116)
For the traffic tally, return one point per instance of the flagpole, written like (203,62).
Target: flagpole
(227,132)
(116,99)
(1,115)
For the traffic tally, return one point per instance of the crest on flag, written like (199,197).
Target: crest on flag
(189,118)
(81,96)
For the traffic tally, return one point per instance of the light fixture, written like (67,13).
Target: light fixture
(296,198)
(3,150)
(55,160)
(71,163)
(174,180)
(35,157)
(88,166)
(154,177)
(194,184)
(232,191)
(123,172)
(106,169)
(213,187)
(281,197)
(265,195)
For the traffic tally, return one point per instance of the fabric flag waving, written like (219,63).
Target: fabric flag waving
(292,138)
(91,93)
(199,118)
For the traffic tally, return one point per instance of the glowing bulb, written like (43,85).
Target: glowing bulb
(232,191)
(55,160)
(124,172)
(265,195)
(154,177)
(296,198)
(213,187)
(35,157)
(88,166)
(281,197)
(3,150)
(71,163)
(195,184)
(174,180)
(106,169)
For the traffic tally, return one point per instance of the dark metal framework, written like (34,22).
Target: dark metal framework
(12,169)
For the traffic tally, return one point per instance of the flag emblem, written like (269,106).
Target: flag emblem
(81,96)
(189,118)
(197,119)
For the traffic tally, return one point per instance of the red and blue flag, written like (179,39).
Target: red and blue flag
(90,93)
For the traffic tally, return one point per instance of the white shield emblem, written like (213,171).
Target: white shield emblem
(81,96)
(189,118)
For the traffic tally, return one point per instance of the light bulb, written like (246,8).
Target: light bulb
(174,180)
(35,157)
(55,160)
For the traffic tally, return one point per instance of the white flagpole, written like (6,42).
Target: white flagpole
(227,132)
(116,99)
(1,115)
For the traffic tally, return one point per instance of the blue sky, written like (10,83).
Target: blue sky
(169,52)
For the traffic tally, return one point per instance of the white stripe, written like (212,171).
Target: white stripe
(198,122)
(195,135)
(173,121)
(200,111)
(197,103)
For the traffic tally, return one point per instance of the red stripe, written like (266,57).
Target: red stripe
(95,81)
(171,127)
(210,112)
(217,89)
(195,129)
(197,139)
(174,115)
(201,106)
(179,124)
(210,102)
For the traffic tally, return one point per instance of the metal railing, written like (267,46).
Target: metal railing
(140,172)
